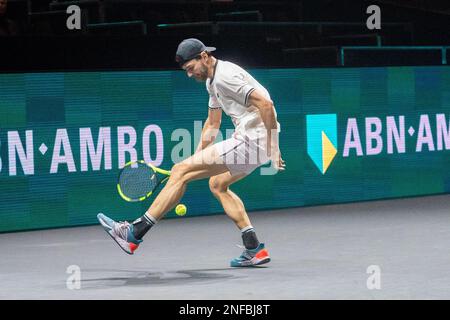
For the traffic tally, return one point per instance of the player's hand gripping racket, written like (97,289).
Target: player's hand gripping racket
(138,180)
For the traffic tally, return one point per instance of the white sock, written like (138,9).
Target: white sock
(245,229)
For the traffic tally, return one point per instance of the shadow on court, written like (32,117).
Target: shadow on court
(130,278)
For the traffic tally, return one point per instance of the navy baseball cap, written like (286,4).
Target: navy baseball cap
(188,49)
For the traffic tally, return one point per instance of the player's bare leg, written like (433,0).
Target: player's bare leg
(203,164)
(255,252)
(231,203)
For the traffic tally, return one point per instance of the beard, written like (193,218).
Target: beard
(203,74)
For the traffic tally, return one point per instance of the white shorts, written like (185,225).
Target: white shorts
(242,156)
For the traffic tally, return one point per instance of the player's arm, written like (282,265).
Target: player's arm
(211,128)
(267,112)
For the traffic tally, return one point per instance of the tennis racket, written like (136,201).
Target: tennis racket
(138,180)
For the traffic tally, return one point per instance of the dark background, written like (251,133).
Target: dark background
(144,34)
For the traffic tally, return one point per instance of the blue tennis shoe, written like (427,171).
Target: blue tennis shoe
(252,257)
(121,232)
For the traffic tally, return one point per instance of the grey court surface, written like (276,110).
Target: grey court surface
(317,253)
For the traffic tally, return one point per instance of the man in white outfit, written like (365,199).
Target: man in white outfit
(254,142)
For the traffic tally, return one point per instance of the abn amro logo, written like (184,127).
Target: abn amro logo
(321,135)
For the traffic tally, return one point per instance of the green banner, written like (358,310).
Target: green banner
(347,134)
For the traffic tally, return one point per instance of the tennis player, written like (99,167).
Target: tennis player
(254,142)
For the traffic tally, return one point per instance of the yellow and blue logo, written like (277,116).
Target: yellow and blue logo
(321,135)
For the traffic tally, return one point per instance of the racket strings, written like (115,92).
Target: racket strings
(137,181)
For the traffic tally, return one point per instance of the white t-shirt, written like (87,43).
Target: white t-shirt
(229,89)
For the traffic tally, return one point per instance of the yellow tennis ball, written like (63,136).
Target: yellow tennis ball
(180,210)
